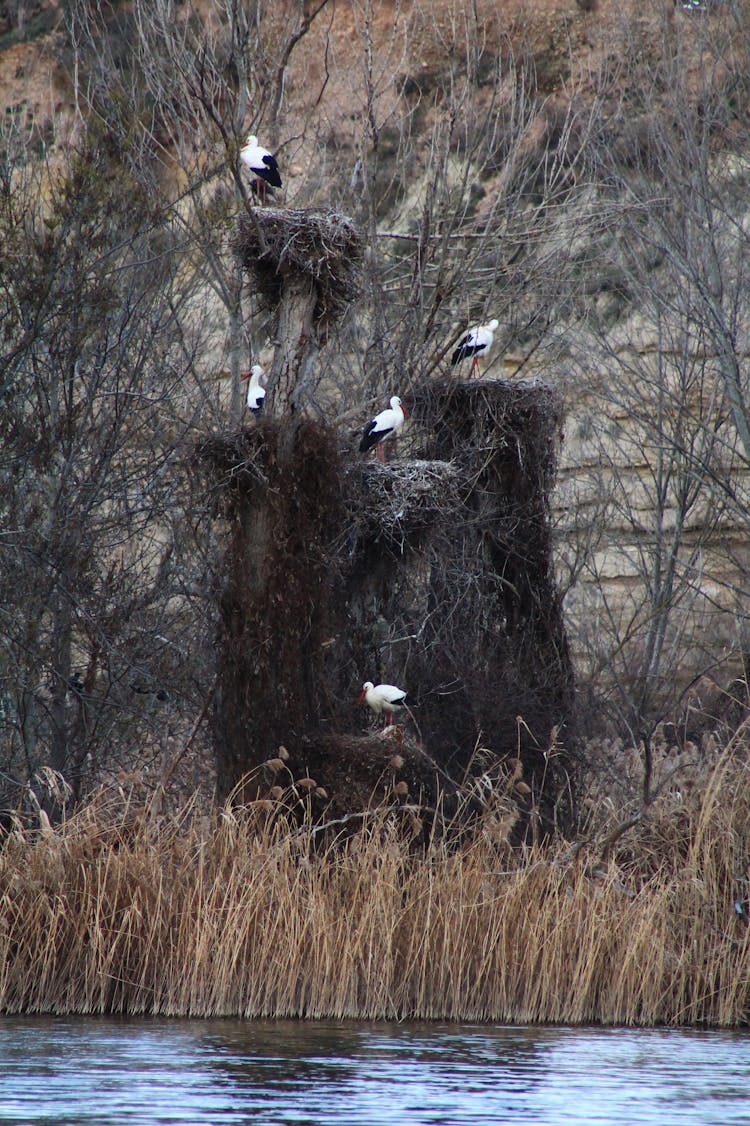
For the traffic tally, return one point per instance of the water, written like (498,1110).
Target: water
(86,1071)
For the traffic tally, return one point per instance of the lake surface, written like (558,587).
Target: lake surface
(142,1072)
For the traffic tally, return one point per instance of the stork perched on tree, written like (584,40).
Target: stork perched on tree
(477,342)
(263,166)
(384,425)
(382,699)
(256,388)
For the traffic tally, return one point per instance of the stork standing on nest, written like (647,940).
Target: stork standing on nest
(256,388)
(382,699)
(384,425)
(477,342)
(263,166)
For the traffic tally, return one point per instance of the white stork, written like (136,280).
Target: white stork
(382,699)
(384,425)
(263,166)
(256,388)
(477,342)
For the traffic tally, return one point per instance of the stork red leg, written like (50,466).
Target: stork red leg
(380,453)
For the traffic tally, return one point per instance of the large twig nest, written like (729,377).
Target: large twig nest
(478,420)
(276,244)
(390,502)
(234,457)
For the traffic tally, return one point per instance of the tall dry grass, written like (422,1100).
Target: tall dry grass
(245,913)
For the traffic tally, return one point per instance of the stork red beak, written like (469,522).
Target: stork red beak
(406,413)
(246,375)
(361,696)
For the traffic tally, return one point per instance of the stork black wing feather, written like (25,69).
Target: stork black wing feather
(463,349)
(272,175)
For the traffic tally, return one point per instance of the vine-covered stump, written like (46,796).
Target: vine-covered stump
(343,778)
(433,573)
(385,779)
(470,623)
(277,603)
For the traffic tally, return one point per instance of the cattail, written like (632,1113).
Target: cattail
(274,765)
(262,804)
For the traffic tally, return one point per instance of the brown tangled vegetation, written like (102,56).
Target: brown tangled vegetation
(436,569)
(262,910)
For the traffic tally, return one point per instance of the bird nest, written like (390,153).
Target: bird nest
(275,245)
(509,433)
(391,502)
(234,457)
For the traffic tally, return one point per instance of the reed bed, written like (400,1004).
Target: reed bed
(247,912)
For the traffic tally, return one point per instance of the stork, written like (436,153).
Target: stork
(256,388)
(384,425)
(263,166)
(477,342)
(382,699)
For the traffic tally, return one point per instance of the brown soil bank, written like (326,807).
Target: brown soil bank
(248,912)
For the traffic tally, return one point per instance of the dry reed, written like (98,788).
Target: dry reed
(244,912)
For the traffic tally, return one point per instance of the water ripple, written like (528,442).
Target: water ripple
(66,1072)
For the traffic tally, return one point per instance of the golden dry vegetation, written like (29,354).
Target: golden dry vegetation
(254,911)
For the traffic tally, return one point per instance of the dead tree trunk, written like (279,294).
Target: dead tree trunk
(466,614)
(304,265)
(432,573)
(292,378)
(284,483)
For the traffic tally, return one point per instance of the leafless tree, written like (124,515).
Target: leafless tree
(100,570)
(202,80)
(479,194)
(660,368)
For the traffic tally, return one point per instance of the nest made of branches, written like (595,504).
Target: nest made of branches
(394,502)
(275,244)
(234,457)
(472,419)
